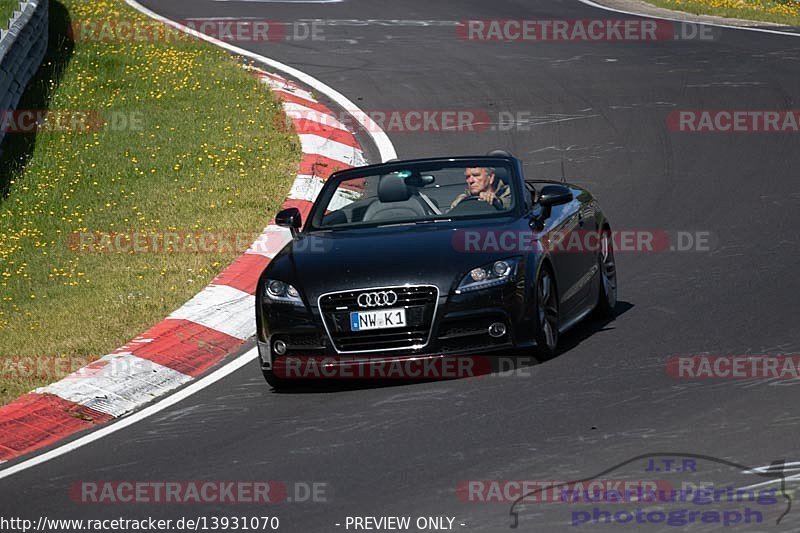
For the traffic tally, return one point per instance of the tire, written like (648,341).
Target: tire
(274,381)
(547,315)
(607,295)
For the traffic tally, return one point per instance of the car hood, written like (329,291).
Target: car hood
(326,261)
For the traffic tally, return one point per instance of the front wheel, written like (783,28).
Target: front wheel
(273,380)
(607,297)
(547,319)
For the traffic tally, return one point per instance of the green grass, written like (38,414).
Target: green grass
(7,7)
(778,11)
(212,154)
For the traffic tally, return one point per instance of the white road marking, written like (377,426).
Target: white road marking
(147,412)
(279,86)
(271,241)
(793,466)
(316,144)
(301,112)
(221,308)
(772,482)
(307,187)
(117,383)
(239,327)
(379,137)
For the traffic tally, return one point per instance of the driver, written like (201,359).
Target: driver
(483,184)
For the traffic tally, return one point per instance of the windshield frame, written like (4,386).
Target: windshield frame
(314,221)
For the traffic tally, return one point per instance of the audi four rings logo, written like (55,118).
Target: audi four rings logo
(377,299)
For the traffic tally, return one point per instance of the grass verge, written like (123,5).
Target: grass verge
(777,11)
(188,142)
(7,7)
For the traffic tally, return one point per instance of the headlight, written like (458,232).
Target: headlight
(279,291)
(490,275)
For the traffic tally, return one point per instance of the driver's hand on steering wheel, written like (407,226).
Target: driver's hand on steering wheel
(488,197)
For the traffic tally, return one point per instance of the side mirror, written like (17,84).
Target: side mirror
(550,195)
(554,195)
(290,218)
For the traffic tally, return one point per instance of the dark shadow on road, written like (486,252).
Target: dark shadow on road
(590,327)
(516,361)
(17,148)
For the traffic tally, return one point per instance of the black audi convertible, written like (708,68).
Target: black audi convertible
(433,258)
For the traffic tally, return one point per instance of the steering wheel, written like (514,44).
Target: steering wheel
(474,205)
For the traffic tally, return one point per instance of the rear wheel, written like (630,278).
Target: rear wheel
(607,298)
(546,313)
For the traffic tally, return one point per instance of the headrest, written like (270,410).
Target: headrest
(393,188)
(499,153)
(501,173)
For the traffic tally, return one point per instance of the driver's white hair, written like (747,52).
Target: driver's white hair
(489,170)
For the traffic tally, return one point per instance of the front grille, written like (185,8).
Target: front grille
(418,301)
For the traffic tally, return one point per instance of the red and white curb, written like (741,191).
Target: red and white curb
(212,325)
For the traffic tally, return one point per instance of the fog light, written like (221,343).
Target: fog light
(279,347)
(497,329)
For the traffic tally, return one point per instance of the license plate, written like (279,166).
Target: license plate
(385,318)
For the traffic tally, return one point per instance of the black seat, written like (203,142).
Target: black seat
(501,173)
(395,201)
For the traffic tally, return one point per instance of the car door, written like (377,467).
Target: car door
(569,264)
(584,249)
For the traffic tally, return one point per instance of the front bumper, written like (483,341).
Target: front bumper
(458,328)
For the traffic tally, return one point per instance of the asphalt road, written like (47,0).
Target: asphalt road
(601,107)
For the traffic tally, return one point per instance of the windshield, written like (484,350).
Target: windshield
(418,193)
